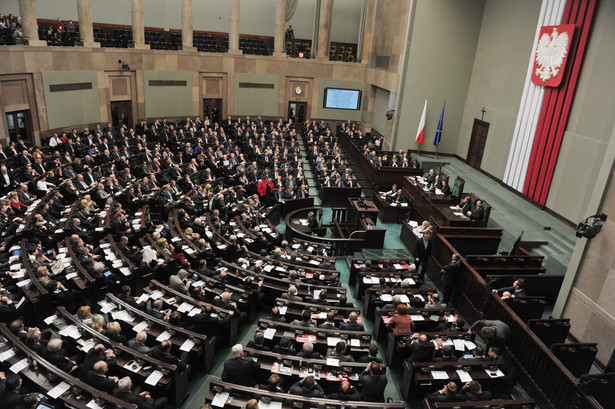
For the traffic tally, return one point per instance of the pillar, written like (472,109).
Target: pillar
(280,19)
(27,12)
(233,32)
(187,26)
(138,28)
(364,46)
(324,29)
(86,29)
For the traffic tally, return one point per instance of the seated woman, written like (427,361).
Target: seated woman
(84,314)
(401,323)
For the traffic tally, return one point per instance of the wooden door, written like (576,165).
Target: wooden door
(19,126)
(121,113)
(297,111)
(212,108)
(477,143)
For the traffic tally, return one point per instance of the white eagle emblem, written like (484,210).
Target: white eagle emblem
(550,54)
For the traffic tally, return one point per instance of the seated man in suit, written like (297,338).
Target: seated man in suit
(351,324)
(97,377)
(258,342)
(339,353)
(478,212)
(374,383)
(447,394)
(420,348)
(142,399)
(240,369)
(308,388)
(430,179)
(473,391)
(516,290)
(444,353)
(162,352)
(138,344)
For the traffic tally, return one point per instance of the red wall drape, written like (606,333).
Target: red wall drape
(557,103)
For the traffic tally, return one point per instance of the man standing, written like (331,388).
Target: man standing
(422,252)
(449,276)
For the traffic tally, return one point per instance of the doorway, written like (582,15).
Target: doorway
(297,111)
(121,113)
(19,126)
(477,143)
(212,108)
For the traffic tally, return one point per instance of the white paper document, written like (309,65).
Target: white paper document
(269,333)
(439,375)
(140,326)
(333,362)
(469,344)
(58,390)
(459,345)
(332,341)
(163,336)
(153,378)
(19,366)
(187,345)
(220,399)
(417,317)
(464,376)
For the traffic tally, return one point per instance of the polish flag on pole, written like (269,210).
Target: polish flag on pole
(421,131)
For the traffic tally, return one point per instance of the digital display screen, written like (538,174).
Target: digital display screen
(341,98)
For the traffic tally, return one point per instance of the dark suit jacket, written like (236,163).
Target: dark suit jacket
(240,371)
(420,352)
(373,387)
(102,383)
(451,273)
(477,213)
(421,252)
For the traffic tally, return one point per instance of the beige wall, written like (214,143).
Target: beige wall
(67,108)
(438,66)
(168,100)
(256,101)
(303,19)
(498,75)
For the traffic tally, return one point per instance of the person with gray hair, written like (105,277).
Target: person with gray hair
(240,369)
(142,399)
(97,377)
(307,351)
(180,282)
(57,357)
(291,294)
(258,342)
(138,344)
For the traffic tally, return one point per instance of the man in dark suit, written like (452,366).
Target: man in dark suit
(421,349)
(374,382)
(143,399)
(240,369)
(422,252)
(163,353)
(449,276)
(7,181)
(12,395)
(97,377)
(478,212)
(352,324)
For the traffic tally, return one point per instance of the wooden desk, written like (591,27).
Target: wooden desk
(322,336)
(417,379)
(80,394)
(391,212)
(428,323)
(360,209)
(241,394)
